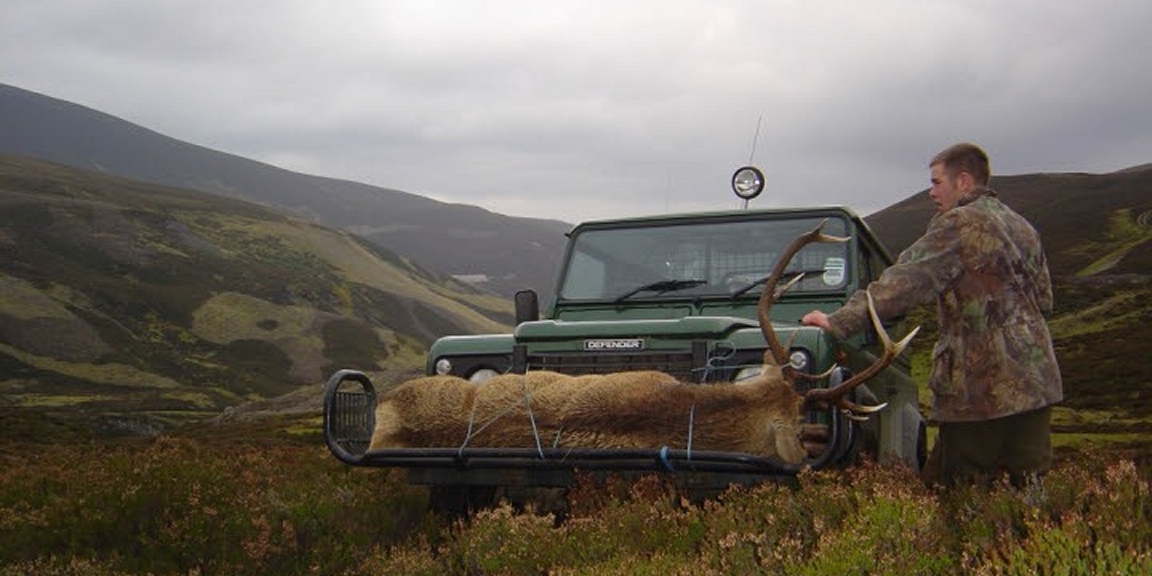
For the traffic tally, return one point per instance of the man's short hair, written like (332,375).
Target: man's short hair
(964,157)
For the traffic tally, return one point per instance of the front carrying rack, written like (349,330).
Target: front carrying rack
(349,420)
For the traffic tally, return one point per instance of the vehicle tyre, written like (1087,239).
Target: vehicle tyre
(460,499)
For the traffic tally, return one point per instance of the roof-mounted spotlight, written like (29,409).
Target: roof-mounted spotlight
(748,182)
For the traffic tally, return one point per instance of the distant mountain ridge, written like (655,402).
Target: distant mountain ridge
(459,239)
(1082,218)
(455,239)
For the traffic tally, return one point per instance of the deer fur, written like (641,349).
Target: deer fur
(643,409)
(640,409)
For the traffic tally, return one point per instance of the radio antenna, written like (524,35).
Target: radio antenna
(755,137)
(759,177)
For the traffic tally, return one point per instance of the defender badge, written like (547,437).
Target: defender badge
(614,345)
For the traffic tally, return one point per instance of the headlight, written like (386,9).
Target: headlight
(799,360)
(443,367)
(482,375)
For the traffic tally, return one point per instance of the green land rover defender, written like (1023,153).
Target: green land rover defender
(677,294)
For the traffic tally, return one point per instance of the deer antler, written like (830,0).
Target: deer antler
(837,394)
(777,355)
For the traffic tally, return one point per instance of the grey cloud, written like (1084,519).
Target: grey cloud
(591,109)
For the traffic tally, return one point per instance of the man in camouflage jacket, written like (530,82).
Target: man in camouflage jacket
(994,373)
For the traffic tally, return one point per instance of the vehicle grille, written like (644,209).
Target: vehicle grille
(677,364)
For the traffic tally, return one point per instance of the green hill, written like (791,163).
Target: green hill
(134,306)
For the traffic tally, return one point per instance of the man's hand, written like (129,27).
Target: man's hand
(816,318)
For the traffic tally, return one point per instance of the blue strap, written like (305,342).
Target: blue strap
(691,425)
(664,459)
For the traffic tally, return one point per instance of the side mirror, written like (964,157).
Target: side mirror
(527,306)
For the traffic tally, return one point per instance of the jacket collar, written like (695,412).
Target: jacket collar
(975,195)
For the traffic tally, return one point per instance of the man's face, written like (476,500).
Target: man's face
(946,190)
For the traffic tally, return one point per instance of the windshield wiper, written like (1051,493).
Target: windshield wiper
(761,280)
(660,287)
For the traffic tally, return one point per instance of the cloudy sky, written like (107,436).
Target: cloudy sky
(588,109)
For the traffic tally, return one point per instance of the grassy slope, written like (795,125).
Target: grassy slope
(121,298)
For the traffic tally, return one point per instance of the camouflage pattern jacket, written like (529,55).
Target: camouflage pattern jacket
(984,265)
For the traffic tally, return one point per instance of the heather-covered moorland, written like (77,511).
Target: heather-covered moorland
(283,505)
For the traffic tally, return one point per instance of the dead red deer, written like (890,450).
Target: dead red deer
(628,409)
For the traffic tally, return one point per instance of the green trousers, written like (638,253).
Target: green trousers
(981,451)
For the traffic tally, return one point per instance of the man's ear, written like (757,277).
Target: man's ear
(965,182)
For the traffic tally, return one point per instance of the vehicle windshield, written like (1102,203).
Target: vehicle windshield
(691,259)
